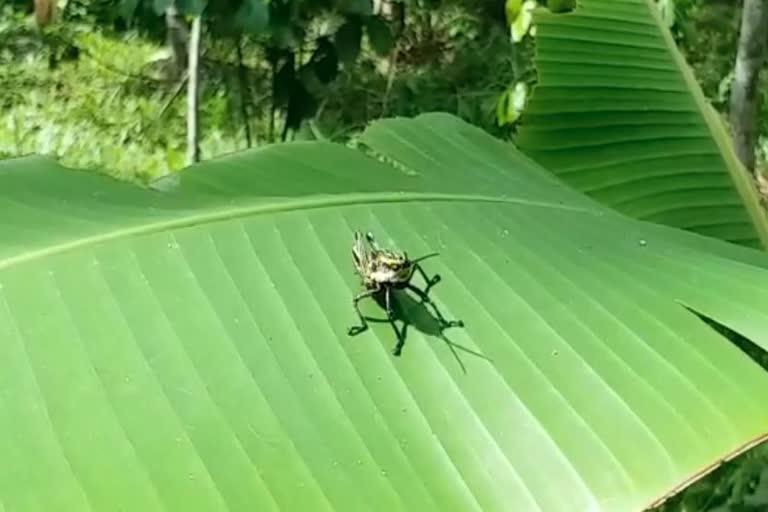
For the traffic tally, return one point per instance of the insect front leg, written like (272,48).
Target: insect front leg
(391,316)
(357,329)
(430,282)
(400,338)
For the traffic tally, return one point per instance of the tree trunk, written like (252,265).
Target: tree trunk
(193,94)
(44,11)
(744,97)
(178,39)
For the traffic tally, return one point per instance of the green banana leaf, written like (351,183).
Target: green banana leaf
(186,348)
(618,114)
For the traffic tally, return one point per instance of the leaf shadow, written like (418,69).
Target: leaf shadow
(417,314)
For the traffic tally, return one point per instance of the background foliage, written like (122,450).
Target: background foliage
(448,55)
(96,91)
(129,116)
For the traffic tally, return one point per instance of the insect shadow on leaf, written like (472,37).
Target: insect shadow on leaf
(412,313)
(386,276)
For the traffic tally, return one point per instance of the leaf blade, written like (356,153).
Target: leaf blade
(220,307)
(639,109)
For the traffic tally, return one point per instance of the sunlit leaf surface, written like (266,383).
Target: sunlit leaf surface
(186,349)
(617,114)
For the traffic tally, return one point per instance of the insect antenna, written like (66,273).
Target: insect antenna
(430,255)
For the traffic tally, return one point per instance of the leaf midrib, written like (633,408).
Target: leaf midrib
(305,203)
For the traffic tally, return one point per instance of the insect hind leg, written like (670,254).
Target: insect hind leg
(440,318)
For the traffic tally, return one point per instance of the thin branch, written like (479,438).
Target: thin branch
(272,106)
(390,80)
(243,92)
(175,95)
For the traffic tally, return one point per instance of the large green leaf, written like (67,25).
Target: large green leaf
(618,114)
(186,348)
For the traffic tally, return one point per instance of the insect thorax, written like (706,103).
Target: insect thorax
(387,270)
(379,267)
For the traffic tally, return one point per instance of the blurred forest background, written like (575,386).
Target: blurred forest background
(111,85)
(101,84)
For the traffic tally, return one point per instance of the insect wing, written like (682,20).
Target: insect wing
(359,253)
